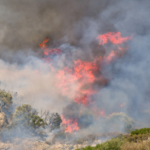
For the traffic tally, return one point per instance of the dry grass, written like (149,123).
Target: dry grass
(143,145)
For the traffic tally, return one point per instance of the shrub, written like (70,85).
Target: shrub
(25,115)
(53,120)
(38,122)
(143,145)
(22,110)
(137,138)
(140,131)
(56,121)
(113,144)
(5,100)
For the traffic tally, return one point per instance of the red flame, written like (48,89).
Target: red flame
(113,37)
(70,124)
(47,52)
(43,44)
(83,74)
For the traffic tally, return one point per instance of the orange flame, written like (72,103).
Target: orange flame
(113,37)
(71,125)
(83,73)
(43,44)
(47,52)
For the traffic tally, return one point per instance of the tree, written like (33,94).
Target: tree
(56,121)
(25,115)
(5,100)
(38,122)
(53,120)
(23,110)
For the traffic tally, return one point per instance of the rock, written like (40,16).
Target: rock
(3,120)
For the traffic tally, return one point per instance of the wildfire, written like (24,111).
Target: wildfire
(113,37)
(83,74)
(48,52)
(70,124)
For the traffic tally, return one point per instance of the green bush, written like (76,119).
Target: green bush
(140,131)
(38,122)
(113,144)
(57,120)
(6,99)
(54,121)
(25,115)
(22,110)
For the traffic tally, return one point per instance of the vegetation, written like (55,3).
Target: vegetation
(142,145)
(38,122)
(53,120)
(6,98)
(27,118)
(140,131)
(56,121)
(5,101)
(136,140)
(89,138)
(113,144)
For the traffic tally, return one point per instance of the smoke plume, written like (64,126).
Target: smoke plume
(72,27)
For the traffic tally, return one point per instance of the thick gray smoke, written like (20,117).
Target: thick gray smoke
(24,24)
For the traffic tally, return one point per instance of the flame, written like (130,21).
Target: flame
(43,44)
(48,52)
(116,39)
(83,74)
(70,124)
(113,37)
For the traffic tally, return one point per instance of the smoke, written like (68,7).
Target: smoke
(24,24)
(130,73)
(73,27)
